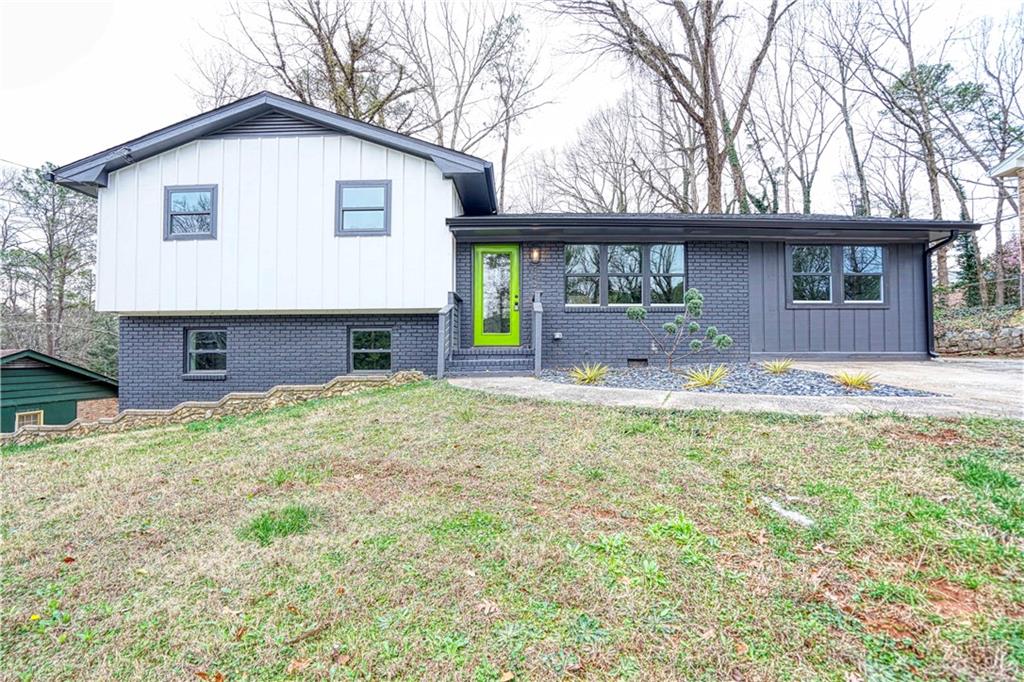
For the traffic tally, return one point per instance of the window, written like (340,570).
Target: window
(190,212)
(625,275)
(206,351)
(862,274)
(34,418)
(812,274)
(371,350)
(582,274)
(668,274)
(363,207)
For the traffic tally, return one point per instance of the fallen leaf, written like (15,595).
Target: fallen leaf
(742,648)
(341,590)
(487,608)
(203,676)
(342,659)
(707,634)
(270,594)
(507,677)
(68,559)
(292,608)
(240,633)
(297,665)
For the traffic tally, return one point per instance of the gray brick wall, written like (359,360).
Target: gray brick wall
(263,351)
(719,269)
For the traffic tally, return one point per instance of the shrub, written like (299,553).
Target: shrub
(777,366)
(862,381)
(704,377)
(589,374)
(684,325)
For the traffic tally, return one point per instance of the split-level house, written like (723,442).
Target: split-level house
(269,242)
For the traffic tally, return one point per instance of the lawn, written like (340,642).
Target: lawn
(427,532)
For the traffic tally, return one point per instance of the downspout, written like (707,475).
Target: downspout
(929,303)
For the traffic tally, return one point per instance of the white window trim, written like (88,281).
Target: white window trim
(19,415)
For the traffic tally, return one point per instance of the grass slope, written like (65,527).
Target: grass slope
(427,532)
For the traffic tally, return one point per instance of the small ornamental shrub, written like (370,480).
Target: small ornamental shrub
(777,366)
(705,377)
(862,381)
(589,374)
(684,328)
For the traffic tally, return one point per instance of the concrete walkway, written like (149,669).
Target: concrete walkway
(990,388)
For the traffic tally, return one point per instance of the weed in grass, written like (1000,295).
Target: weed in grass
(777,366)
(308,475)
(587,630)
(976,473)
(627,668)
(861,381)
(589,374)
(265,528)
(706,377)
(892,593)
(640,425)
(474,527)
(683,532)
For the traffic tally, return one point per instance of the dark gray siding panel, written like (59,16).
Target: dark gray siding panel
(897,329)
(718,269)
(263,351)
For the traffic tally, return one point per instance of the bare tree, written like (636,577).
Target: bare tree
(891,169)
(223,77)
(893,75)
(690,71)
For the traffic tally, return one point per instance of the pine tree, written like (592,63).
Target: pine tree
(967,260)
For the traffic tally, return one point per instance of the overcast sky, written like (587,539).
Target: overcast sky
(77,77)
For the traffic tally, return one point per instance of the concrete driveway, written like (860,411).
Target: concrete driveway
(982,387)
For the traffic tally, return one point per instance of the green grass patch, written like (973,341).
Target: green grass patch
(270,525)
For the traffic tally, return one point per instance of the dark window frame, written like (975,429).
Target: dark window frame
(880,275)
(651,274)
(608,274)
(352,349)
(603,274)
(339,210)
(601,268)
(838,301)
(189,351)
(169,214)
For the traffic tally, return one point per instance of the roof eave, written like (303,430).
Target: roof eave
(57,362)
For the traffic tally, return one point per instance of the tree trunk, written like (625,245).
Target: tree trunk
(864,208)
(998,257)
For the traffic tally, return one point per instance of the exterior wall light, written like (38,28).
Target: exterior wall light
(535,255)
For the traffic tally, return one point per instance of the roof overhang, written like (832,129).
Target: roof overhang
(1010,167)
(656,226)
(473,177)
(12,356)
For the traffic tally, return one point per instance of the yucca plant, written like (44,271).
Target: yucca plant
(589,374)
(862,381)
(777,366)
(705,377)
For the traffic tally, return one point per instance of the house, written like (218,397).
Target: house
(36,388)
(269,242)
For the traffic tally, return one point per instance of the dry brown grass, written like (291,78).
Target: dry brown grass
(457,535)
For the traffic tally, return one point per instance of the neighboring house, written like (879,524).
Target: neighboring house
(40,389)
(269,242)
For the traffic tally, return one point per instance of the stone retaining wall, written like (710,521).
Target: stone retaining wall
(1004,341)
(234,404)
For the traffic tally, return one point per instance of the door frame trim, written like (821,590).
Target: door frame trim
(513,337)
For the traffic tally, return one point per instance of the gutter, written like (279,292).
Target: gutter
(929,303)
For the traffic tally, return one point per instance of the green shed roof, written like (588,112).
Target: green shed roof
(9,356)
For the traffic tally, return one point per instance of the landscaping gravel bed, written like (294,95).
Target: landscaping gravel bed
(742,378)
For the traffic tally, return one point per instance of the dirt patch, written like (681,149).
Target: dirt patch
(940,437)
(952,601)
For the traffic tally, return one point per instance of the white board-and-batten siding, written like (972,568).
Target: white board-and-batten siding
(275,248)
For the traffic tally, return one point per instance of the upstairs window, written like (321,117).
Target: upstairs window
(862,274)
(668,274)
(625,274)
(812,274)
(582,274)
(363,207)
(190,212)
(206,351)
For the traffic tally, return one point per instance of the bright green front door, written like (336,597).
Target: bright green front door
(496,295)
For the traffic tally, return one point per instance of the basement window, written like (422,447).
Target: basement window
(371,350)
(206,351)
(34,418)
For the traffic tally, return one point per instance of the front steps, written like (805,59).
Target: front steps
(497,361)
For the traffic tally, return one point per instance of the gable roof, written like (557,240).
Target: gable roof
(10,355)
(473,176)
